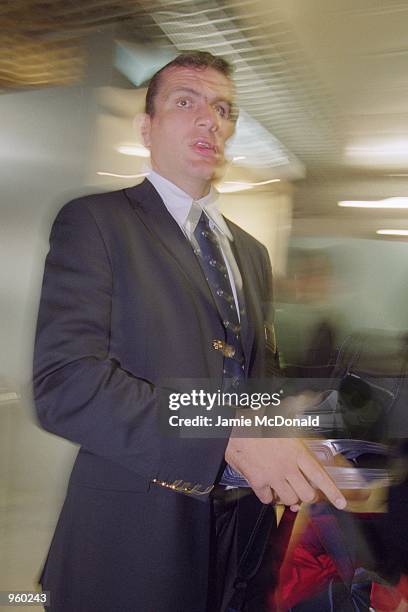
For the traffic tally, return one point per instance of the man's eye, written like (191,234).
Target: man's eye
(223,111)
(184,103)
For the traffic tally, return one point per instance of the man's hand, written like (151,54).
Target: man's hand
(282,469)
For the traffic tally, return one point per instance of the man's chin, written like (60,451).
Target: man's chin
(211,172)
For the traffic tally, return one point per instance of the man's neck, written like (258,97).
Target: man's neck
(196,190)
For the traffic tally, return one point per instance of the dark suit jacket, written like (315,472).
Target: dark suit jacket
(124,306)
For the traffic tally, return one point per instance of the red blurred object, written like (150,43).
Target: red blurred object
(387,599)
(306,573)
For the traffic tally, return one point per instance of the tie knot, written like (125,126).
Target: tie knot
(203,221)
(204,231)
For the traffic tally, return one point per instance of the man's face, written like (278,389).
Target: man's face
(192,120)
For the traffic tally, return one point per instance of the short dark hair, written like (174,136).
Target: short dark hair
(186,59)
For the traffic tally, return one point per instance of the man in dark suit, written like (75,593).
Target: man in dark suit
(126,304)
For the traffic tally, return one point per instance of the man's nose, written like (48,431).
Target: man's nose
(208,117)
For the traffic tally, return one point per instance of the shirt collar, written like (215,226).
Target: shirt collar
(185,210)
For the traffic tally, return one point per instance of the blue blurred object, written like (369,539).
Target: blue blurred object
(344,477)
(139,62)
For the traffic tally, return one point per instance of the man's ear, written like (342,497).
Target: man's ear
(145,127)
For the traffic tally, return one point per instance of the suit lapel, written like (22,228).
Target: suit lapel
(253,314)
(152,212)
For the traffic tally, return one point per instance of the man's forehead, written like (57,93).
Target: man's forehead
(177,77)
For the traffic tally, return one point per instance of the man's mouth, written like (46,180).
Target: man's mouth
(204,147)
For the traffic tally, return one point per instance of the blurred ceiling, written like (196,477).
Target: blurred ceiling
(329,80)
